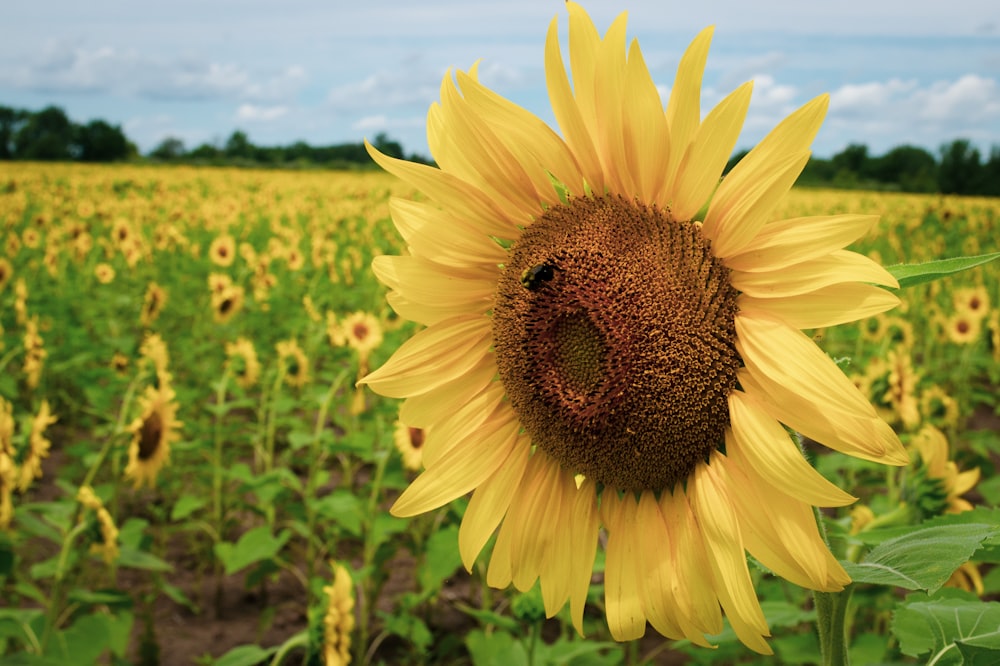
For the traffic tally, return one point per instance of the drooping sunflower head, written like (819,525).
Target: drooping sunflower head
(227,303)
(242,361)
(294,363)
(153,304)
(153,431)
(597,352)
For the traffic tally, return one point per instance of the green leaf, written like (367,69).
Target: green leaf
(495,649)
(343,508)
(134,558)
(924,559)
(245,655)
(185,506)
(948,627)
(441,560)
(909,275)
(255,545)
(410,628)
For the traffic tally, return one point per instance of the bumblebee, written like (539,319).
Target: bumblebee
(534,277)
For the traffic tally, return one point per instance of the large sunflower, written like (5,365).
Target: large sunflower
(595,356)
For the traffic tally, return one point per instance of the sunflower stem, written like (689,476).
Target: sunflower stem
(831,614)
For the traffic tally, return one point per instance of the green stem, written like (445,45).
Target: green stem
(218,514)
(831,613)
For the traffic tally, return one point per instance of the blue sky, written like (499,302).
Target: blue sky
(921,72)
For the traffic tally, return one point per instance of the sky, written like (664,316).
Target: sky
(917,72)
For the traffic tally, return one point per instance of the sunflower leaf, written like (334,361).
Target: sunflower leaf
(909,275)
(954,628)
(923,559)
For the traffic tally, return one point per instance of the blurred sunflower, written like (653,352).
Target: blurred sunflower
(8,469)
(362,333)
(242,362)
(152,304)
(963,328)
(153,431)
(228,303)
(409,442)
(119,363)
(222,251)
(901,393)
(993,322)
(932,446)
(34,353)
(334,332)
(107,546)
(938,408)
(647,360)
(104,273)
(218,283)
(295,361)
(38,447)
(338,622)
(972,300)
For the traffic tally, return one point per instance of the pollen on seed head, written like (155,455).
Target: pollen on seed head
(620,361)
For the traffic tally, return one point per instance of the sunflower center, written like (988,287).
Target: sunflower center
(150,436)
(615,341)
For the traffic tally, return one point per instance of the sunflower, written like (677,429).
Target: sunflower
(38,447)
(902,387)
(362,332)
(107,547)
(153,431)
(963,328)
(8,468)
(34,353)
(933,448)
(222,251)
(104,273)
(338,622)
(226,304)
(152,304)
(409,442)
(594,355)
(296,363)
(974,301)
(938,408)
(242,362)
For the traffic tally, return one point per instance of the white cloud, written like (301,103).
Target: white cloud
(255,113)
(63,67)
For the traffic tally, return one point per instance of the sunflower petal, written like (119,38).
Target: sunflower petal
(459,471)
(426,409)
(433,357)
(584,526)
(713,508)
(684,108)
(826,306)
(837,267)
(626,619)
(762,444)
(489,503)
(795,240)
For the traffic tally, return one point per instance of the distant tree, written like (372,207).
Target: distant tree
(991,173)
(960,171)
(46,135)
(100,142)
(387,146)
(171,148)
(205,151)
(238,145)
(11,121)
(913,169)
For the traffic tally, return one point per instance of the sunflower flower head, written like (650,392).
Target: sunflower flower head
(294,363)
(34,353)
(152,304)
(38,447)
(938,485)
(338,622)
(8,468)
(242,362)
(106,543)
(596,356)
(409,442)
(153,431)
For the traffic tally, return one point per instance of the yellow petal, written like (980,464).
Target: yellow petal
(566,110)
(461,198)
(781,532)
(427,409)
(795,240)
(744,201)
(489,503)
(826,306)
(656,567)
(609,91)
(835,268)
(534,539)
(433,357)
(466,422)
(684,108)
(626,619)
(762,444)
(713,508)
(584,526)
(434,234)
(533,143)
(646,135)
(708,153)
(441,291)
(460,470)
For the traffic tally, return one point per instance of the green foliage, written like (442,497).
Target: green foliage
(950,628)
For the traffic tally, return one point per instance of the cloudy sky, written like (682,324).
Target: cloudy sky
(921,72)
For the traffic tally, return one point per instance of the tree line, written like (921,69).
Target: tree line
(49,134)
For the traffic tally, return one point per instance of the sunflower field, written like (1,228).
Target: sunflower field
(190,473)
